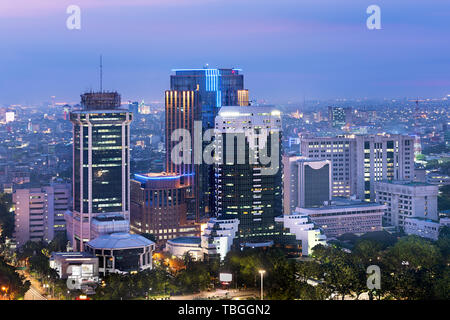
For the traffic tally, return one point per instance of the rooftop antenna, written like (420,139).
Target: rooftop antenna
(101,73)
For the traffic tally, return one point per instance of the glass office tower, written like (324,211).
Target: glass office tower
(101,163)
(244,190)
(213,88)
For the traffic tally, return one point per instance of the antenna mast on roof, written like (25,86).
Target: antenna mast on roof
(101,73)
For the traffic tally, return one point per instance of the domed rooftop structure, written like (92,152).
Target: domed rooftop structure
(119,240)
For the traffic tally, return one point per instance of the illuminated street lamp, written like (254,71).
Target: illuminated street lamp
(261,272)
(5,290)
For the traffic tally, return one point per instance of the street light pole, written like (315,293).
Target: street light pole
(261,272)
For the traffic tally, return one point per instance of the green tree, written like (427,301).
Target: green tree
(59,243)
(444,198)
(16,284)
(413,267)
(6,217)
(340,273)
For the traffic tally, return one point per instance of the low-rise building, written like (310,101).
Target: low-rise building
(444,218)
(304,230)
(178,247)
(82,265)
(438,179)
(346,216)
(122,252)
(406,199)
(79,268)
(217,238)
(422,227)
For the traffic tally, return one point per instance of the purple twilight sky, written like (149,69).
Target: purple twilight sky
(288,49)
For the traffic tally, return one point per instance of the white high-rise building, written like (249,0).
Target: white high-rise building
(39,212)
(361,160)
(382,157)
(306,182)
(341,151)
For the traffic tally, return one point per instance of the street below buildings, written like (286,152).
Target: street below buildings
(36,291)
(220,294)
(34,294)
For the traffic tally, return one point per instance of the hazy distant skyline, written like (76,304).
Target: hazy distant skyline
(288,49)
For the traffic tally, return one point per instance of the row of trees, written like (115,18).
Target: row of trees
(444,198)
(12,284)
(412,268)
(6,217)
(36,255)
(166,278)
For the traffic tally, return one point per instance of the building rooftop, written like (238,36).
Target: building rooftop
(340,203)
(119,241)
(100,100)
(206,68)
(186,240)
(144,177)
(109,217)
(422,219)
(408,183)
(247,111)
(71,255)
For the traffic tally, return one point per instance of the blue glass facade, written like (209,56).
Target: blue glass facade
(215,88)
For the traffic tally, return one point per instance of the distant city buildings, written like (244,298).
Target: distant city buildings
(406,199)
(39,212)
(338,116)
(300,205)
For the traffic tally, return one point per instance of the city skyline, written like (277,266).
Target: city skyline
(308,50)
(224,150)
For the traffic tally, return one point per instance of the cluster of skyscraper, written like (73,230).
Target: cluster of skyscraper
(250,195)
